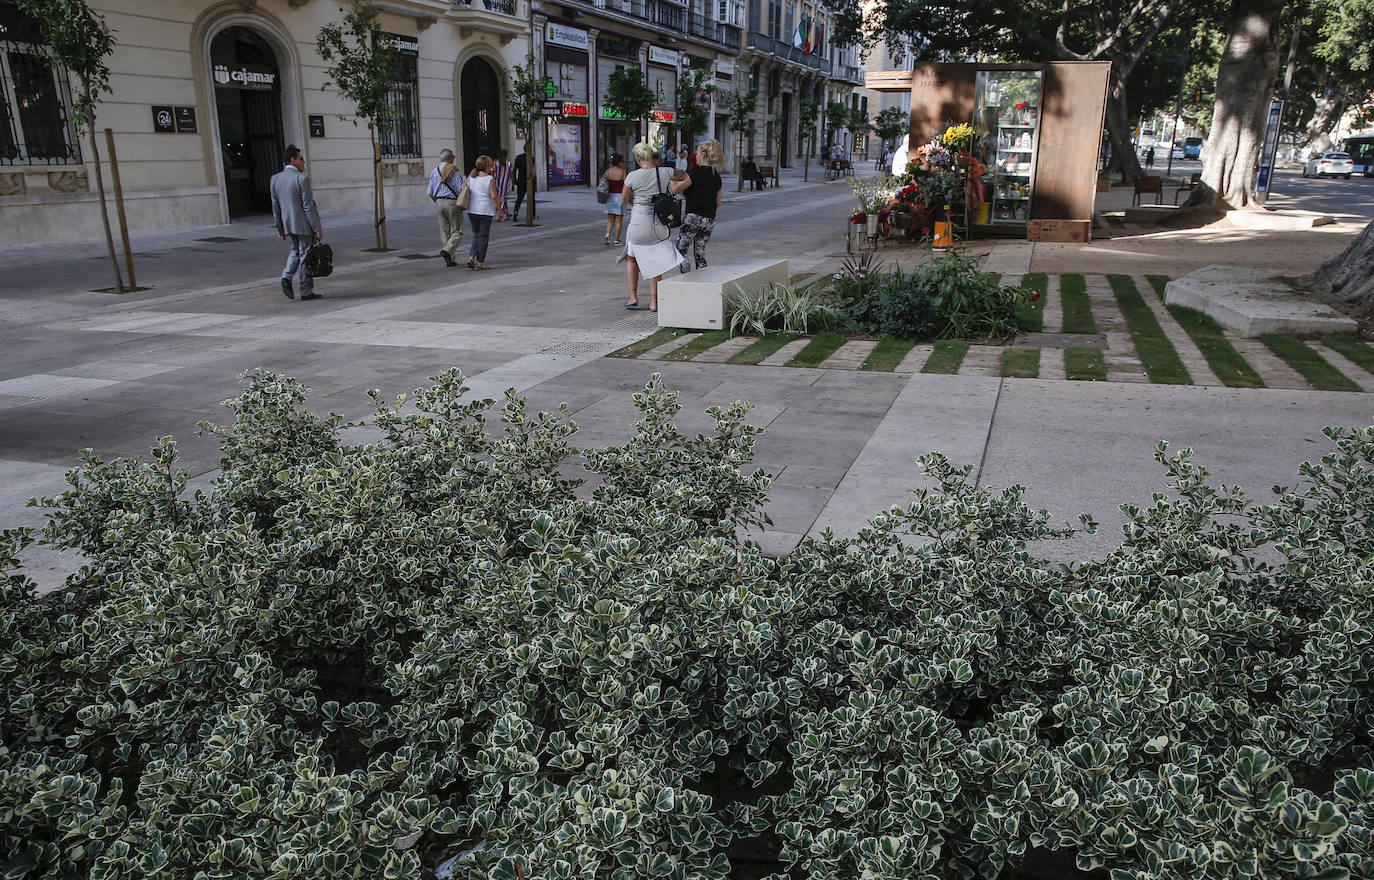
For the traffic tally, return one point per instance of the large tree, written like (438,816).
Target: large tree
(1245,79)
(1093,30)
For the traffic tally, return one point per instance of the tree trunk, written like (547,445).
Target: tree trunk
(806,164)
(1349,276)
(1124,158)
(105,212)
(1325,113)
(1245,78)
(739,161)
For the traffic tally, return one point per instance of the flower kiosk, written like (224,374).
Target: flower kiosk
(1010,149)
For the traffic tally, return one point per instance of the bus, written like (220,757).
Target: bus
(1360,146)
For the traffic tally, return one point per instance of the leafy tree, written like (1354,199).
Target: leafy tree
(892,123)
(741,122)
(526,99)
(1335,70)
(694,90)
(778,125)
(629,96)
(808,114)
(858,124)
(836,118)
(361,66)
(77,38)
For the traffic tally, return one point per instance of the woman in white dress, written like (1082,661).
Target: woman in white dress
(649,248)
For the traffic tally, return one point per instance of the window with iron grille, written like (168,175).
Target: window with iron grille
(400,138)
(34,98)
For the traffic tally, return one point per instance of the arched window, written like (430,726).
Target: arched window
(34,97)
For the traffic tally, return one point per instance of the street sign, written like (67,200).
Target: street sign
(551,108)
(1271,146)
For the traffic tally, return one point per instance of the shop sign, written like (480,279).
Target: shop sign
(665,116)
(573,108)
(551,108)
(186,120)
(608,113)
(317,126)
(245,78)
(666,57)
(406,45)
(163,120)
(560,35)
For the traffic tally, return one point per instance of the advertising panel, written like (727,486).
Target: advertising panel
(565,153)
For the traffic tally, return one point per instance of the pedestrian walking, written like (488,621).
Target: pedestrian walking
(524,181)
(649,249)
(1150,157)
(445,187)
(501,170)
(482,208)
(615,210)
(296,217)
(704,195)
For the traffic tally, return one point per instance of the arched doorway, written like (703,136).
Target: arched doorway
(247,83)
(480,92)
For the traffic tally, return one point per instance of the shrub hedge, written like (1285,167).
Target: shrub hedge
(358,659)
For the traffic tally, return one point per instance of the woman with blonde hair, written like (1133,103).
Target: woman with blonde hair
(482,206)
(704,194)
(649,249)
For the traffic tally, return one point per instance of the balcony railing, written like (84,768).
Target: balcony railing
(673,16)
(766,45)
(505,7)
(849,73)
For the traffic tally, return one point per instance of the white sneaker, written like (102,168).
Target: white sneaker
(606,238)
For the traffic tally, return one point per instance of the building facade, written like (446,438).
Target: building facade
(207,93)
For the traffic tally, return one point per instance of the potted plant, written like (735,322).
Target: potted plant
(873,194)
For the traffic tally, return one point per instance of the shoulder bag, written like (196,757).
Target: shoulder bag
(603,190)
(665,205)
(319,260)
(465,195)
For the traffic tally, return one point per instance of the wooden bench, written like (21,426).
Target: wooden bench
(1146,185)
(1193,182)
(766,173)
(697,300)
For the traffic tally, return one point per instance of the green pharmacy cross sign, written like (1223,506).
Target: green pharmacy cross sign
(549,88)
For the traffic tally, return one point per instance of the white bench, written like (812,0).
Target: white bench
(696,300)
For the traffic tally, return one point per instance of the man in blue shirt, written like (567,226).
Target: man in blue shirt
(444,193)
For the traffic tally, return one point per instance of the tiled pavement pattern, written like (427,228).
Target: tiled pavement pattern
(1114,337)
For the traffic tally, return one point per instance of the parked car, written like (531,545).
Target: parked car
(1192,148)
(1177,152)
(1329,165)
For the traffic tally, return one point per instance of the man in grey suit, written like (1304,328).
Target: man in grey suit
(293,211)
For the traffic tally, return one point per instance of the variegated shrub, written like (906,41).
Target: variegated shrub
(359,659)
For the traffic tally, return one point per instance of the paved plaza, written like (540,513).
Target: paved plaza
(80,368)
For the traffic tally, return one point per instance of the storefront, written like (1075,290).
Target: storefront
(662,80)
(614,133)
(566,64)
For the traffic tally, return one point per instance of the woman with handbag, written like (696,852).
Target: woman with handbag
(482,207)
(613,182)
(704,195)
(649,248)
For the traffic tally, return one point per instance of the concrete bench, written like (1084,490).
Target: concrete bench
(696,300)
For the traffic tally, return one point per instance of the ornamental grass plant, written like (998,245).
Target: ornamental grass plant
(359,660)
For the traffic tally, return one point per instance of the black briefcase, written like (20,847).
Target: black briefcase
(319,260)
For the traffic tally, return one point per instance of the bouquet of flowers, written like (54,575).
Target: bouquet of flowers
(958,137)
(874,193)
(931,156)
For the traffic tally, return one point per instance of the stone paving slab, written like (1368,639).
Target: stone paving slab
(1253,302)
(786,353)
(851,355)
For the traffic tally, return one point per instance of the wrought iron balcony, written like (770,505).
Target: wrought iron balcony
(505,18)
(785,51)
(673,16)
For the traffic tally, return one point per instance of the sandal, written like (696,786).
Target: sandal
(633,305)
(482,266)
(472,262)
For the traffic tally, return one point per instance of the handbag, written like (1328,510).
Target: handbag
(465,196)
(665,205)
(603,190)
(319,260)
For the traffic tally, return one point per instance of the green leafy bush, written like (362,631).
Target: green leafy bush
(903,306)
(358,659)
(789,308)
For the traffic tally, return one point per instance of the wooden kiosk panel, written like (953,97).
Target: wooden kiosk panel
(940,94)
(1074,100)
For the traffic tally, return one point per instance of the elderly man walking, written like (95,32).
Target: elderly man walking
(294,213)
(444,194)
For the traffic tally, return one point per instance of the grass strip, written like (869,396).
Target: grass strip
(1021,362)
(887,354)
(1353,349)
(709,339)
(1157,354)
(1220,354)
(947,356)
(659,337)
(1314,368)
(761,348)
(821,346)
(1158,282)
(1030,316)
(1085,364)
(1078,310)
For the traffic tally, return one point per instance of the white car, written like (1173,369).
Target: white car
(1329,165)
(1178,151)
